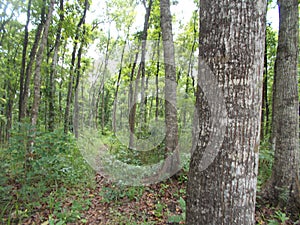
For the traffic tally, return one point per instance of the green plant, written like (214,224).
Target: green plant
(181,217)
(278,218)
(159,209)
(163,188)
(266,156)
(43,172)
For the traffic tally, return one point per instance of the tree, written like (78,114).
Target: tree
(53,67)
(25,75)
(283,188)
(170,89)
(223,168)
(73,68)
(140,73)
(39,59)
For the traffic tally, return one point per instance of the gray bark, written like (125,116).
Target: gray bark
(172,165)
(39,59)
(283,188)
(223,169)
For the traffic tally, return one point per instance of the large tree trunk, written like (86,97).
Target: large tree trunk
(223,169)
(172,152)
(283,188)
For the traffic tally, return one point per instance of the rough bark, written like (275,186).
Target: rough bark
(223,169)
(172,152)
(283,188)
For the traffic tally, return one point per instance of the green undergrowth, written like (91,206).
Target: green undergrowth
(43,174)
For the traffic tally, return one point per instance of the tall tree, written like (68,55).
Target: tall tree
(25,78)
(39,59)
(53,67)
(172,151)
(223,169)
(140,74)
(143,57)
(23,65)
(73,69)
(283,188)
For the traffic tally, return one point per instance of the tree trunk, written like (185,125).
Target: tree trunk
(39,59)
(118,85)
(283,188)
(156,78)
(23,65)
(71,79)
(265,103)
(29,67)
(143,59)
(223,168)
(171,165)
(76,103)
(53,68)
(131,100)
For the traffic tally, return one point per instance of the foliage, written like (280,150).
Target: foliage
(181,217)
(117,193)
(266,157)
(43,174)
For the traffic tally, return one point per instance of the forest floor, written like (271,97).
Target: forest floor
(161,203)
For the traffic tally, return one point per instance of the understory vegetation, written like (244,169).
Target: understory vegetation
(53,184)
(83,111)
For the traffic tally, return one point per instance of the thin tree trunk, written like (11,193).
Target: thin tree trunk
(39,59)
(156,78)
(76,106)
(28,72)
(118,85)
(132,113)
(131,100)
(143,58)
(78,73)
(223,169)
(53,69)
(60,93)
(23,64)
(71,79)
(171,164)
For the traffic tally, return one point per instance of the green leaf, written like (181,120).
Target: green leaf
(2,100)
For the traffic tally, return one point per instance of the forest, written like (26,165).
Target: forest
(149,112)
